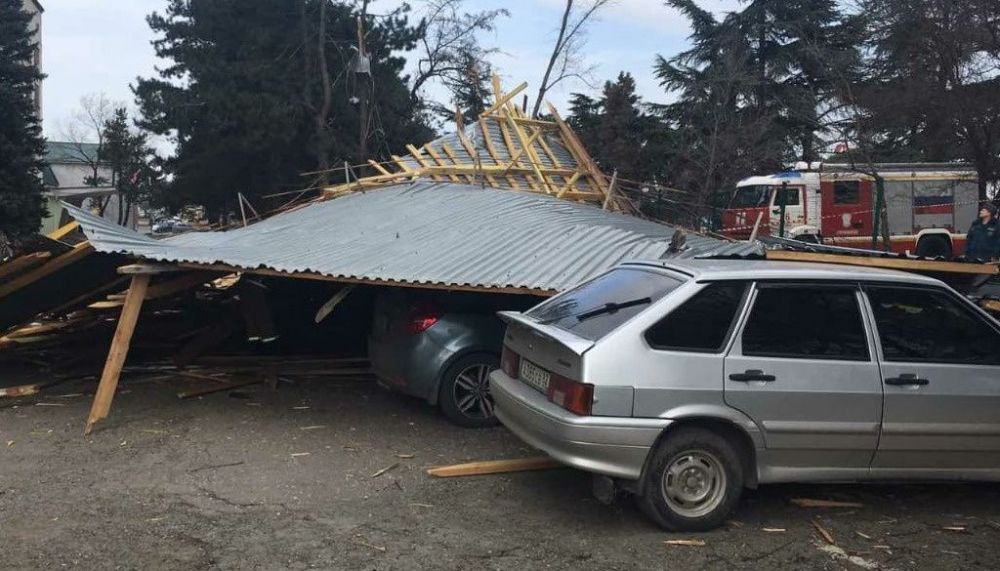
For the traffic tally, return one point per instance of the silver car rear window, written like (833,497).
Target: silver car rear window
(595,308)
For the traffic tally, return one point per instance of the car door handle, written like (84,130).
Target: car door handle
(907,379)
(751,375)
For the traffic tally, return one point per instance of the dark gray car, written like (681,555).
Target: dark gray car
(441,347)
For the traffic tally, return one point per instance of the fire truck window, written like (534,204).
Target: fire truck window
(702,323)
(846,192)
(791,196)
(916,325)
(806,322)
(751,196)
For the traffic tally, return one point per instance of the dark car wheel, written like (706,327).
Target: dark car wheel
(693,481)
(465,391)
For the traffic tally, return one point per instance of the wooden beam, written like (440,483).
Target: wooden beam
(498,169)
(474,153)
(569,184)
(419,157)
(119,350)
(501,98)
(471,179)
(381,169)
(524,148)
(548,125)
(611,190)
(512,149)
(578,151)
(920,266)
(495,467)
(151,269)
(90,294)
(22,263)
(345,280)
(491,148)
(528,146)
(64,230)
(78,252)
(439,160)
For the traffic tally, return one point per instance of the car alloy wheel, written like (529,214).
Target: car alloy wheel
(471,392)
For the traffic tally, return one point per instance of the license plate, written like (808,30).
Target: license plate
(534,375)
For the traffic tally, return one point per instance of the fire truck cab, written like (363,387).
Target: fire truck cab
(928,206)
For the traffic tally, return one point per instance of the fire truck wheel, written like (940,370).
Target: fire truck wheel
(934,247)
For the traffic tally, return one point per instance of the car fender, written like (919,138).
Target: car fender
(463,334)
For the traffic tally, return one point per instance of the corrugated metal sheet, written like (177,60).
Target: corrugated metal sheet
(426,233)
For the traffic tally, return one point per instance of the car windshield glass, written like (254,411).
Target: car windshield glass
(755,196)
(595,308)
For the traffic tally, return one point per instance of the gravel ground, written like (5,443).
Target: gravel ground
(283,480)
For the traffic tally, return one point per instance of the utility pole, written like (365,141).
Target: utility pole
(363,74)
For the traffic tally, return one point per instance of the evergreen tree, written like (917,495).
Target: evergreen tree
(931,90)
(754,88)
(21,145)
(127,153)
(261,90)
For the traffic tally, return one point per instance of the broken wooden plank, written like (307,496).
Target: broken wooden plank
(827,536)
(137,269)
(812,503)
(905,264)
(21,390)
(119,350)
(184,395)
(55,264)
(22,263)
(64,230)
(495,467)
(686,542)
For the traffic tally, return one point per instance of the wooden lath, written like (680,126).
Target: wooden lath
(503,149)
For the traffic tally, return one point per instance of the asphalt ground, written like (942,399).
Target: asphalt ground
(264,479)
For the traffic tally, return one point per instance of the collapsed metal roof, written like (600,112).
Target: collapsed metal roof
(427,233)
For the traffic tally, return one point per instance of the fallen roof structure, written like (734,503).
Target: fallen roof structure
(503,149)
(424,234)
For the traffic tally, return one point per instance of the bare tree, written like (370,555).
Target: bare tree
(449,40)
(567,59)
(86,128)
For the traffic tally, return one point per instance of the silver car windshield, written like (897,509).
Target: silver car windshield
(595,308)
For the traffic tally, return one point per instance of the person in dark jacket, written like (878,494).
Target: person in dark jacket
(983,240)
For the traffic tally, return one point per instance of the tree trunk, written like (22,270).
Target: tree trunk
(556,50)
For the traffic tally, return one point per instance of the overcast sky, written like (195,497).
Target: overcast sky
(94,46)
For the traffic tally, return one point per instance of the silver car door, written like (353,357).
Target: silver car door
(940,359)
(802,368)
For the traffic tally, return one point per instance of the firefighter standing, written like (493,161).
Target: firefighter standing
(983,240)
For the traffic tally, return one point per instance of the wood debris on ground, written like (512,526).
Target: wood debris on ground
(814,503)
(686,542)
(495,467)
(384,470)
(826,535)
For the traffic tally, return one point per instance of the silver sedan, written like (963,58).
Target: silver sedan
(686,382)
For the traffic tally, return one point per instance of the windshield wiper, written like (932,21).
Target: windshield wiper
(612,307)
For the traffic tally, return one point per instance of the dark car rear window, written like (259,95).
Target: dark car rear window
(585,310)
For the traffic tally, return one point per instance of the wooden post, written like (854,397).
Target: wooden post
(119,350)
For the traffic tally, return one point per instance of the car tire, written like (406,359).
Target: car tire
(692,482)
(464,395)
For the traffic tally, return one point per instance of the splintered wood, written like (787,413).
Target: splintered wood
(495,467)
(504,149)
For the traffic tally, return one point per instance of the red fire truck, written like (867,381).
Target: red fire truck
(929,206)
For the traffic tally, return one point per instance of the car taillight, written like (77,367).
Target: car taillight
(421,319)
(509,362)
(575,397)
